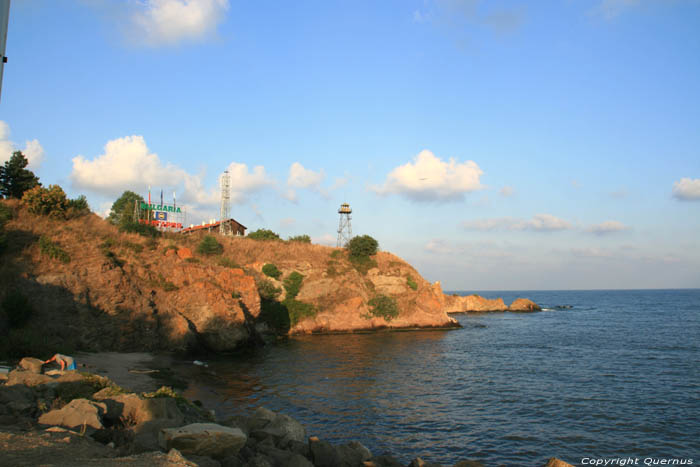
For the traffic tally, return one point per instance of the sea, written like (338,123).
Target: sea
(599,374)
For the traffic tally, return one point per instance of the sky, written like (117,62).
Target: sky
(495,145)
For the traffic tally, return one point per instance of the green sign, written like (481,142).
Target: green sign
(159,207)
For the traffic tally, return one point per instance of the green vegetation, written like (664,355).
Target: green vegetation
(298,310)
(383,306)
(145,230)
(162,283)
(275,314)
(362,263)
(292,284)
(122,211)
(193,260)
(270,270)
(17,309)
(209,246)
(267,290)
(15,179)
(263,234)
(362,246)
(228,263)
(49,201)
(300,239)
(411,283)
(337,254)
(53,250)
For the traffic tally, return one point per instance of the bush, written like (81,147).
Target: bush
(298,310)
(275,315)
(49,201)
(270,270)
(362,246)
(411,283)
(209,246)
(145,230)
(267,290)
(292,284)
(264,234)
(363,263)
(53,250)
(336,254)
(384,307)
(77,207)
(17,309)
(300,239)
(228,263)
(5,215)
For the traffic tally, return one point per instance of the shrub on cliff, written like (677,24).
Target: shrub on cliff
(267,289)
(49,201)
(270,270)
(300,239)
(263,234)
(383,306)
(123,208)
(145,230)
(298,310)
(362,246)
(209,246)
(292,284)
(53,250)
(411,283)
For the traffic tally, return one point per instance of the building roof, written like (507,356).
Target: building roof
(209,226)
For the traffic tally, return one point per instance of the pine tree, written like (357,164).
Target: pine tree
(14,178)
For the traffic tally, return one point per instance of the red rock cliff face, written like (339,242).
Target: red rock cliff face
(127,293)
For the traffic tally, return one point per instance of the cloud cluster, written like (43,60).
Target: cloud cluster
(429,178)
(607,227)
(167,22)
(301,177)
(687,189)
(128,164)
(33,150)
(538,223)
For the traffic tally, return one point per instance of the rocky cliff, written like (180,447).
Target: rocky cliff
(477,303)
(88,284)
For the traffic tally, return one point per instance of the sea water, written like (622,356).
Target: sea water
(616,375)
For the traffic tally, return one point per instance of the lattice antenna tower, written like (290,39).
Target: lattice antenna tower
(344,227)
(225,213)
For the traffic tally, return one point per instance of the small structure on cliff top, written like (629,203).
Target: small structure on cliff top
(344,227)
(225,225)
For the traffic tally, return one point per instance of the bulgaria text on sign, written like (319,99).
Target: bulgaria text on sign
(159,207)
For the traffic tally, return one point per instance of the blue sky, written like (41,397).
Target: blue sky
(494,145)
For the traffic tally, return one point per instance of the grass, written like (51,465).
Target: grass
(53,250)
(228,263)
(362,263)
(383,306)
(411,283)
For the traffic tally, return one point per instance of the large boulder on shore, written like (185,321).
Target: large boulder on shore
(554,462)
(78,414)
(31,364)
(203,439)
(524,304)
(27,378)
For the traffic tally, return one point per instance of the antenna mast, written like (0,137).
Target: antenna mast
(225,213)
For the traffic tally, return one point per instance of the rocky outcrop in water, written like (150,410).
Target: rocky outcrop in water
(476,303)
(524,304)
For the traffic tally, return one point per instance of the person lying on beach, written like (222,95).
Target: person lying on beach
(66,362)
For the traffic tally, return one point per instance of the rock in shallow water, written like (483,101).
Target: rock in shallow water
(203,439)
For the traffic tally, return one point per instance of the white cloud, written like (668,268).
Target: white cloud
(538,223)
(33,150)
(507,191)
(128,164)
(287,222)
(166,22)
(438,246)
(301,177)
(687,189)
(429,178)
(607,227)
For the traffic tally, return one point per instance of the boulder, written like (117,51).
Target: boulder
(17,399)
(524,304)
(184,253)
(554,462)
(418,462)
(77,414)
(385,460)
(31,364)
(203,439)
(27,378)
(323,453)
(353,454)
(281,427)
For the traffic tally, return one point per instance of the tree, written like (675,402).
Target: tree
(123,208)
(300,238)
(14,178)
(49,201)
(264,234)
(363,246)
(209,246)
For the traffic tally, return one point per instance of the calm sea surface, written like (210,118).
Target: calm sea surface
(616,375)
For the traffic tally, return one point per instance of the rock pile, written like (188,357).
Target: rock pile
(85,419)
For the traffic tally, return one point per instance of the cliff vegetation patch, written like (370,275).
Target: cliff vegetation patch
(270,270)
(383,306)
(300,239)
(53,250)
(263,234)
(411,283)
(210,246)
